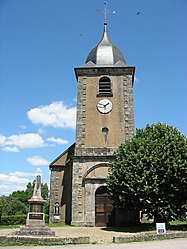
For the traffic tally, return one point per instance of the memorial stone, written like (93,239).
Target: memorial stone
(35,223)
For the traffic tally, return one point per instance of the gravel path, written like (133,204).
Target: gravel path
(96,234)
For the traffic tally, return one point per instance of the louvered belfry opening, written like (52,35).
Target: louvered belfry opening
(105,86)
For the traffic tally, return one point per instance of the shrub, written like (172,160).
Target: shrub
(7,220)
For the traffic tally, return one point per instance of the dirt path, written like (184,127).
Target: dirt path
(96,234)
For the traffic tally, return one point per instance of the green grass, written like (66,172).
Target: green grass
(3,244)
(178,222)
(49,225)
(57,225)
(10,226)
(177,225)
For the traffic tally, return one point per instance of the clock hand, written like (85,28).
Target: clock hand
(101,104)
(106,105)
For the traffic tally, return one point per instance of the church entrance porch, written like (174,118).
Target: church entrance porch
(104,209)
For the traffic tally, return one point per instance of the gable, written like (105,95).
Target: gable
(62,159)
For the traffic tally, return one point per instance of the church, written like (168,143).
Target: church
(105,119)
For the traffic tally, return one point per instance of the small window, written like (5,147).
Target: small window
(57,208)
(105,130)
(105,88)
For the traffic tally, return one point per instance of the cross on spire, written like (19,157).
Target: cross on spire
(105,11)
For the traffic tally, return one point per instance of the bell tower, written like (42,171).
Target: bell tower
(105,119)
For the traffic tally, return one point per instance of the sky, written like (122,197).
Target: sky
(42,41)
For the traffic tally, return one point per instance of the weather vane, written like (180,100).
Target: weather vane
(105,11)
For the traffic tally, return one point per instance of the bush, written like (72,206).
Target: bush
(13,220)
(46,218)
(7,220)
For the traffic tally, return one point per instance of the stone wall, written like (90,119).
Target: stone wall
(91,146)
(60,192)
(84,186)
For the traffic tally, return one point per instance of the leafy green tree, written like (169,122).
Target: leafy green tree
(44,190)
(29,189)
(21,195)
(17,202)
(150,173)
(12,206)
(1,209)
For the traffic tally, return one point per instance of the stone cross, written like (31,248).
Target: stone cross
(37,187)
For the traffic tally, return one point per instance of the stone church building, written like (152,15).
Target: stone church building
(105,119)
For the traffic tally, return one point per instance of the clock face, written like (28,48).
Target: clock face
(104,106)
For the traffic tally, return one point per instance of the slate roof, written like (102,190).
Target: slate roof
(105,53)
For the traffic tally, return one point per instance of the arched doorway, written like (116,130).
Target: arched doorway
(104,210)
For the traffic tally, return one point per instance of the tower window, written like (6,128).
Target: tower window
(105,87)
(105,130)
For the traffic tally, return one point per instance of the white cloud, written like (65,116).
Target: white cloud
(20,174)
(21,141)
(37,161)
(16,181)
(11,149)
(2,140)
(57,115)
(29,140)
(57,140)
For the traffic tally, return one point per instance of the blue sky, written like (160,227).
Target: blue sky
(42,41)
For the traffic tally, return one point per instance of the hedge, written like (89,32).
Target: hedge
(13,220)
(17,219)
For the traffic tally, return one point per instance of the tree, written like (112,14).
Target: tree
(21,195)
(1,209)
(24,195)
(12,206)
(150,173)
(44,190)
(17,202)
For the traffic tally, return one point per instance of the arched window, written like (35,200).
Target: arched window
(105,86)
(105,130)
(57,208)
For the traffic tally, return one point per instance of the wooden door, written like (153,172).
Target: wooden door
(104,215)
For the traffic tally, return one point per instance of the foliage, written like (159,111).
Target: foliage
(13,220)
(150,173)
(46,207)
(46,218)
(1,210)
(23,196)
(17,202)
(13,206)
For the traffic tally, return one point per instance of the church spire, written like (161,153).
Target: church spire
(105,53)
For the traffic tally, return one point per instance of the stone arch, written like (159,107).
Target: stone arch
(94,177)
(95,168)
